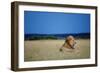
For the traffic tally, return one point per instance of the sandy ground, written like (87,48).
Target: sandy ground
(40,50)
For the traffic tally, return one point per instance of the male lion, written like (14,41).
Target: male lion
(69,44)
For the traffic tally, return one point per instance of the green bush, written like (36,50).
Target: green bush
(40,37)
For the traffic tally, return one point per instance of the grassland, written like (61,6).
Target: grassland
(39,50)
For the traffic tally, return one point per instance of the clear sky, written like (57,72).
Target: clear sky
(55,22)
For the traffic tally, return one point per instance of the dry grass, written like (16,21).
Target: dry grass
(49,50)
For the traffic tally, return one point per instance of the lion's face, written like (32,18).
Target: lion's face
(71,41)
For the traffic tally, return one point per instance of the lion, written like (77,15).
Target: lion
(69,44)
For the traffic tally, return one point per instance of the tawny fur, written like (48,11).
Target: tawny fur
(69,43)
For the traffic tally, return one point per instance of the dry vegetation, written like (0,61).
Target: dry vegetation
(39,50)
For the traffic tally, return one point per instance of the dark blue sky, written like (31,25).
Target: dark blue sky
(55,22)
